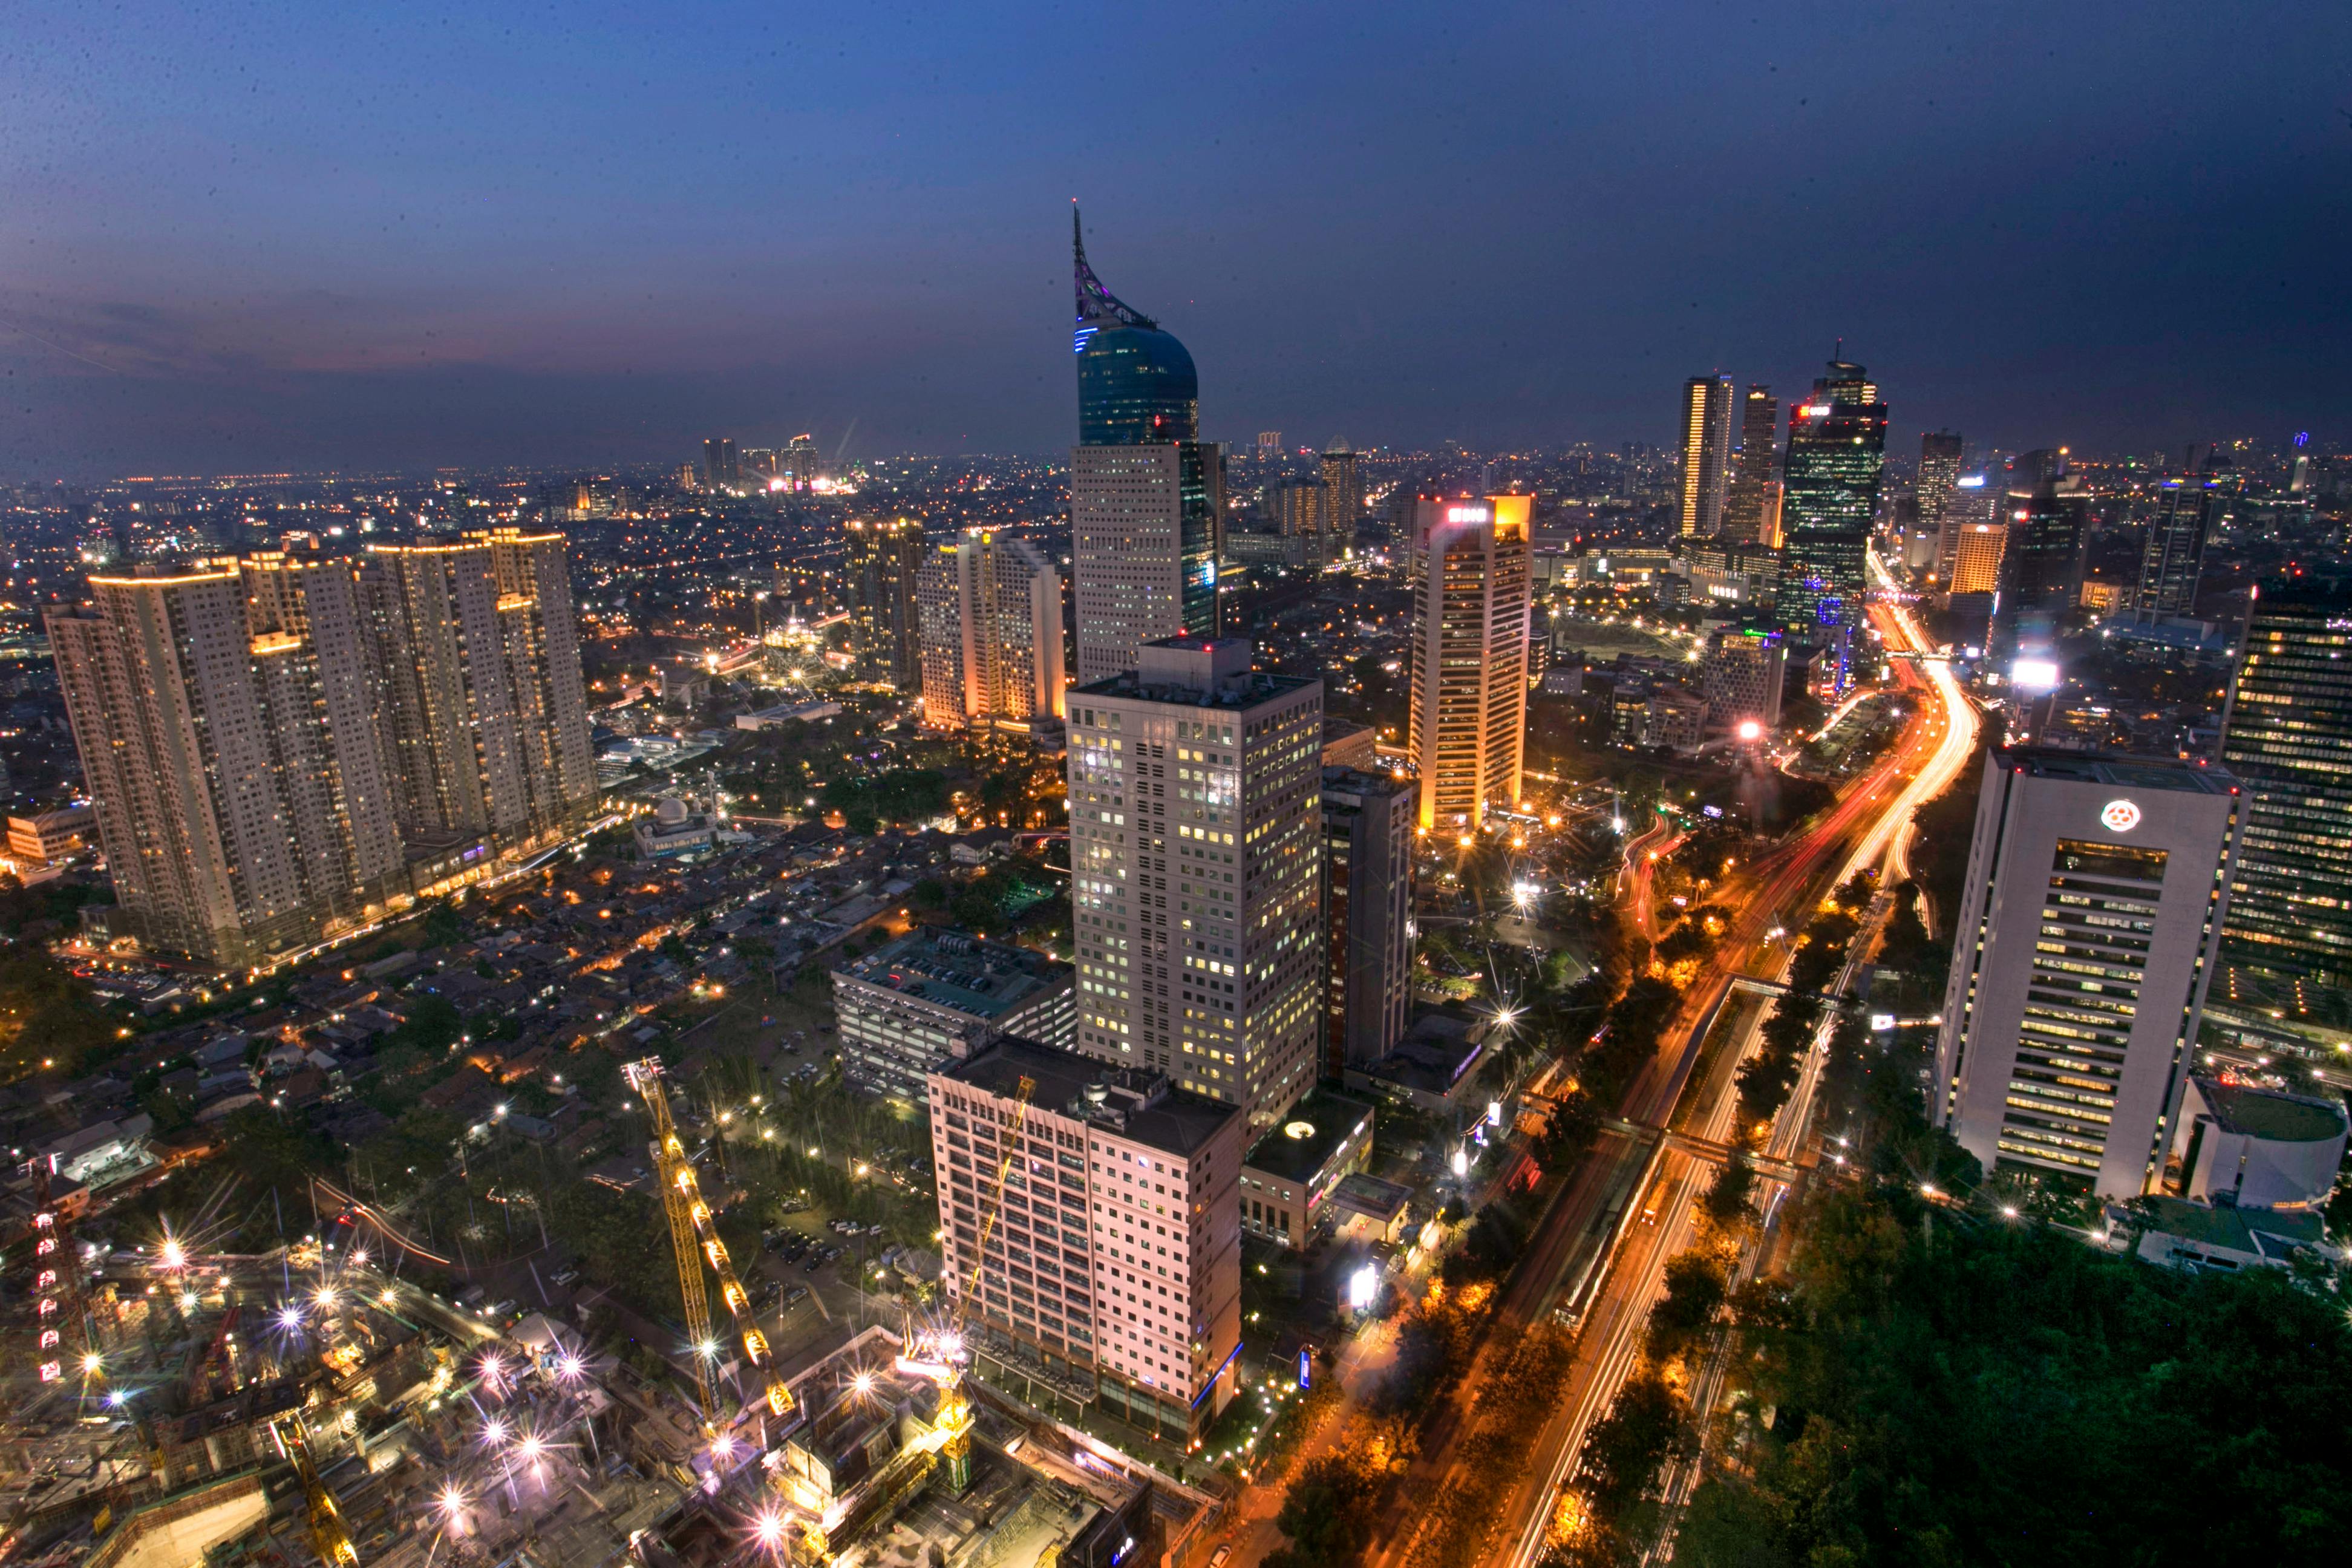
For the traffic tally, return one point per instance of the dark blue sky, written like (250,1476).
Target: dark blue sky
(258,236)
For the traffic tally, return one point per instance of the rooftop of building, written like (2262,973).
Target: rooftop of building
(1197,672)
(1130,1101)
(2240,1230)
(955,969)
(1303,1142)
(2125,773)
(1357,781)
(2269,1114)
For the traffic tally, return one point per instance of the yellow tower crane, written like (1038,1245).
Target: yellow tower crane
(332,1541)
(944,1360)
(695,1237)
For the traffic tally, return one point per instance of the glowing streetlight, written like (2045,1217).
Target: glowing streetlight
(770,1529)
(92,1364)
(1461,1161)
(494,1432)
(173,1256)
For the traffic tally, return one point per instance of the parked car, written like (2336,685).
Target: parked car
(567,1277)
(814,1263)
(796,1295)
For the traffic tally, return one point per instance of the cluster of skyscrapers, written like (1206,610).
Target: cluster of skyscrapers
(1815,499)
(1241,912)
(287,746)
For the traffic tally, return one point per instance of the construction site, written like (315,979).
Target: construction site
(309,1407)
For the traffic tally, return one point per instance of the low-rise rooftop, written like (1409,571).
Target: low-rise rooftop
(953,969)
(1130,1101)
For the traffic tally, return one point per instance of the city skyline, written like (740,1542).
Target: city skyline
(293,243)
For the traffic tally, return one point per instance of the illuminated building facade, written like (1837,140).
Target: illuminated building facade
(1117,1248)
(2089,929)
(991,608)
(2174,557)
(1837,448)
(1741,677)
(1343,505)
(1194,784)
(1706,453)
(1147,494)
(1939,470)
(1977,552)
(1470,663)
(884,558)
(282,748)
(2287,734)
(483,707)
(1973,503)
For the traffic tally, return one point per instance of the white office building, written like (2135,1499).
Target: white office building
(1195,796)
(1116,1249)
(2088,929)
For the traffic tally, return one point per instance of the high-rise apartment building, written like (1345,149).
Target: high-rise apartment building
(1343,501)
(990,607)
(285,748)
(1146,493)
(484,709)
(2287,735)
(1741,677)
(2089,929)
(1368,832)
(883,559)
(1837,446)
(1116,1249)
(232,755)
(1297,509)
(1755,486)
(1193,791)
(1706,453)
(1470,665)
(722,466)
(1269,443)
(2174,557)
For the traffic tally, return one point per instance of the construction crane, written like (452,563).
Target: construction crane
(695,1237)
(327,1533)
(943,1360)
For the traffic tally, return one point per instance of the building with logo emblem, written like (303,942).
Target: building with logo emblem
(2089,927)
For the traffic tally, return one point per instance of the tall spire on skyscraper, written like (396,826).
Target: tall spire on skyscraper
(1096,304)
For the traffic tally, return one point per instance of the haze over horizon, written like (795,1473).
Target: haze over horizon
(280,238)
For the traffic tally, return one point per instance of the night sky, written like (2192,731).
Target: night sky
(259,236)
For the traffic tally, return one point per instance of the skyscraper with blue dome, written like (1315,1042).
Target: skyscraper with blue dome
(1144,488)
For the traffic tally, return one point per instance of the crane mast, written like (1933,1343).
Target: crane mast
(327,1533)
(694,1237)
(945,1359)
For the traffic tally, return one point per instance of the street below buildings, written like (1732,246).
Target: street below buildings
(1633,1196)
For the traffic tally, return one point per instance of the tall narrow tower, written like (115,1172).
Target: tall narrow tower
(1754,490)
(1144,488)
(1837,449)
(1470,662)
(1706,453)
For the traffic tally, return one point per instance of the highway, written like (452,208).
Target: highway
(1869,827)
